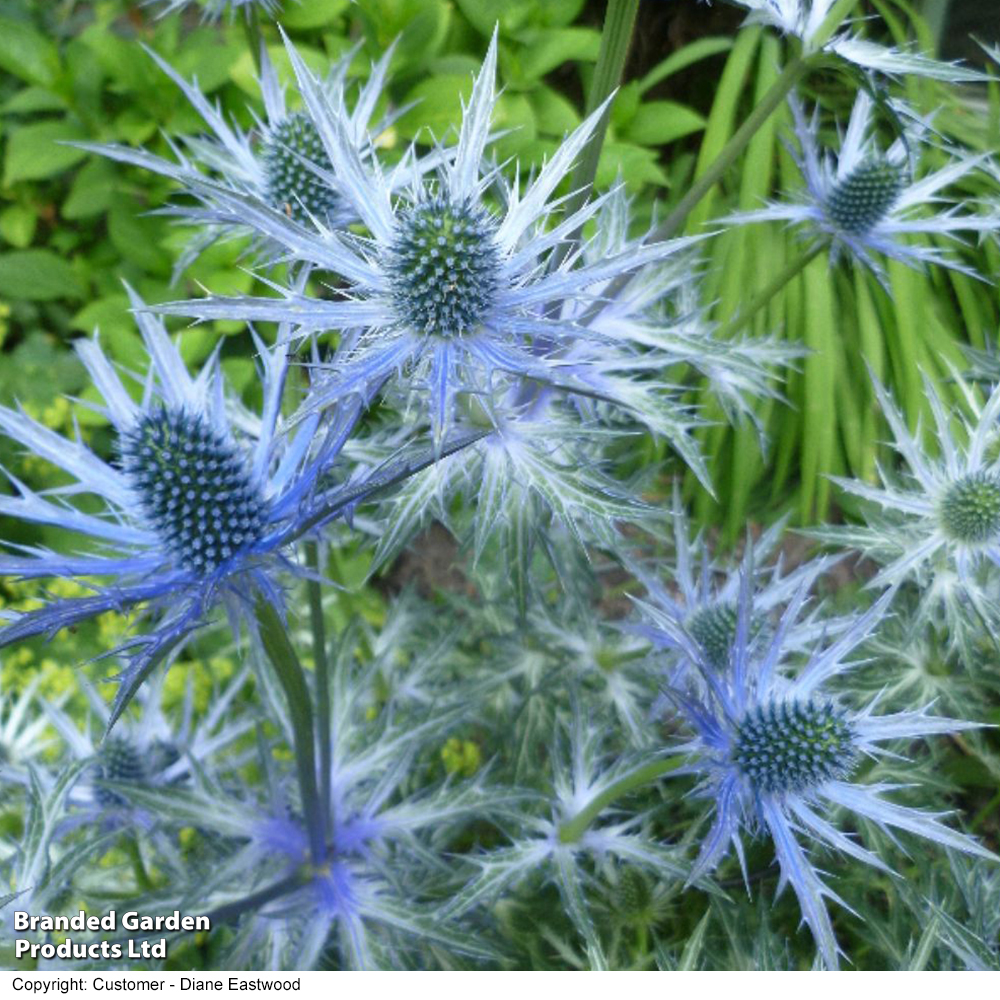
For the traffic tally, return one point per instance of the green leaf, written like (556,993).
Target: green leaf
(38,275)
(559,13)
(420,26)
(554,114)
(34,151)
(438,106)
(545,50)
(203,56)
(311,13)
(111,317)
(91,192)
(514,115)
(636,165)
(32,100)
(701,49)
(26,53)
(244,73)
(137,237)
(658,122)
(508,14)
(17,225)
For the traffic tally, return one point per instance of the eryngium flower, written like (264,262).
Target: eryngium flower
(150,748)
(446,290)
(695,615)
(277,167)
(777,754)
(192,512)
(808,20)
(865,201)
(937,522)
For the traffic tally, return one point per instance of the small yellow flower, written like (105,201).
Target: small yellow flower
(461,757)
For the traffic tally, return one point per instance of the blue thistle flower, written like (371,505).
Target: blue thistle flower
(149,749)
(278,168)
(194,511)
(696,617)
(936,522)
(367,897)
(776,753)
(449,290)
(866,201)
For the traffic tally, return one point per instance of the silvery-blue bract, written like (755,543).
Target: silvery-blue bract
(695,613)
(149,749)
(805,18)
(377,887)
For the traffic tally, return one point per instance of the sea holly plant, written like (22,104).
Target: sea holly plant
(866,203)
(936,522)
(278,166)
(419,656)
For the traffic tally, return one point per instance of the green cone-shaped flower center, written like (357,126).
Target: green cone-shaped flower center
(444,266)
(195,489)
(862,199)
(292,187)
(714,629)
(970,509)
(793,745)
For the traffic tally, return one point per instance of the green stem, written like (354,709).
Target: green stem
(728,155)
(293,682)
(134,851)
(738,142)
(573,829)
(616,38)
(764,296)
(255,37)
(320,658)
(284,887)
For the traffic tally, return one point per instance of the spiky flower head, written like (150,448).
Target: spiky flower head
(292,187)
(695,615)
(153,746)
(244,179)
(776,751)
(444,265)
(194,512)
(792,746)
(862,198)
(935,522)
(868,202)
(457,286)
